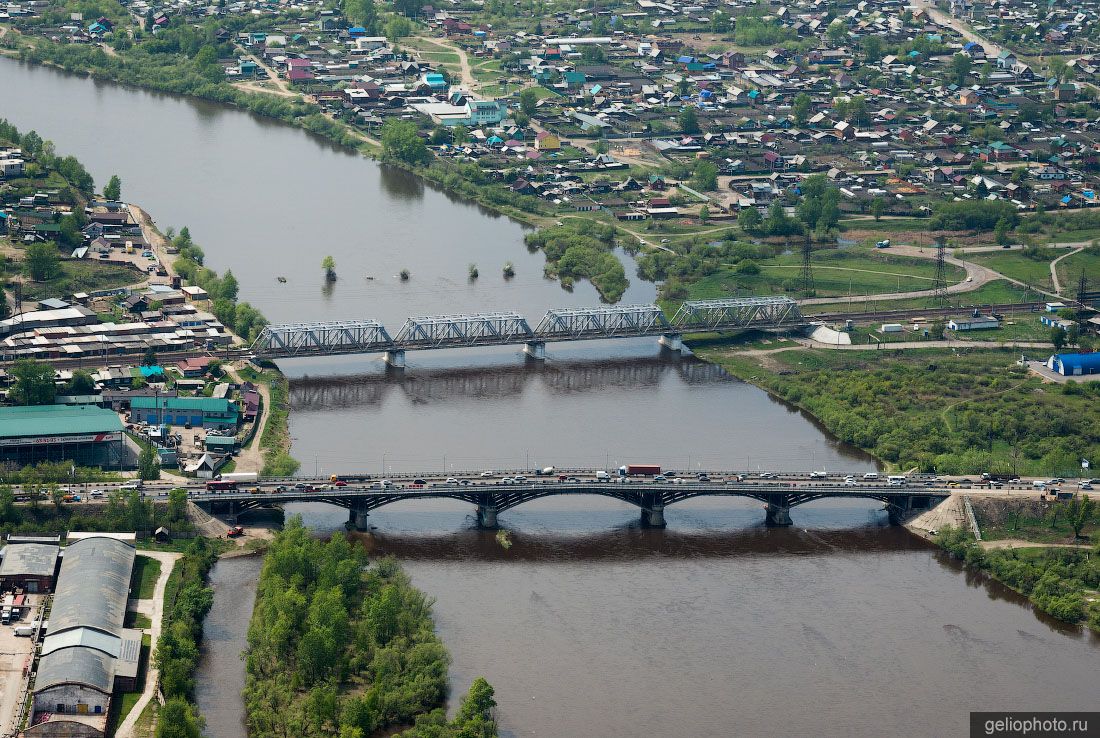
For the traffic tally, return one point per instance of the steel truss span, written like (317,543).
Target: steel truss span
(509,328)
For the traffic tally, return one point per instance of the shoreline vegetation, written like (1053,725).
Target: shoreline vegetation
(1061,582)
(937,410)
(187,600)
(342,647)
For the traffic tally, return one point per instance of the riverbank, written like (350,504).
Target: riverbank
(337,646)
(1061,582)
(949,411)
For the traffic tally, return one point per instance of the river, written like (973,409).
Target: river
(587,624)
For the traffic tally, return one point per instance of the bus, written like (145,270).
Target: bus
(896,481)
(218,485)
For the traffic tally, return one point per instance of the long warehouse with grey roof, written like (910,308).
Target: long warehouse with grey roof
(87,654)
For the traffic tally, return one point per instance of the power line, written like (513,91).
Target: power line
(806,277)
(939,282)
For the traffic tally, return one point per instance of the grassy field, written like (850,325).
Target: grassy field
(1029,520)
(137,620)
(82,276)
(1015,265)
(887,225)
(996,292)
(1071,267)
(837,272)
(144,581)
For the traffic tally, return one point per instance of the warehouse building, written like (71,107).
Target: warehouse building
(206,412)
(974,323)
(28,566)
(83,434)
(1074,365)
(87,654)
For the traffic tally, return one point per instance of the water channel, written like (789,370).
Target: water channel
(587,624)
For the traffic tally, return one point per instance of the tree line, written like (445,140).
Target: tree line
(338,647)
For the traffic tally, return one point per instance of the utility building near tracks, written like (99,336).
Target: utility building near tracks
(83,434)
(87,654)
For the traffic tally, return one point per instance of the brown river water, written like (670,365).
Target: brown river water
(588,625)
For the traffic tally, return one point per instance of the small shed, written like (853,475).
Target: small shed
(974,323)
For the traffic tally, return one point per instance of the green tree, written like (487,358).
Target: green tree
(1058,338)
(689,120)
(461,135)
(960,68)
(177,719)
(177,504)
(801,108)
(398,28)
(878,208)
(329,265)
(148,464)
(113,189)
(1080,513)
(34,383)
(478,702)
(1000,231)
(401,141)
(704,214)
(750,220)
(228,287)
(42,262)
(705,176)
(81,384)
(363,13)
(837,33)
(872,48)
(528,101)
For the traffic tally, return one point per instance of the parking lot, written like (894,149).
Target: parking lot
(15,656)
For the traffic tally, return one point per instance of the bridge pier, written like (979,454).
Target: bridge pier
(487,516)
(900,510)
(653,516)
(535,349)
(777,514)
(672,341)
(395,358)
(358,518)
(231,515)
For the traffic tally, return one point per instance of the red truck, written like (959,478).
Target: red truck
(639,470)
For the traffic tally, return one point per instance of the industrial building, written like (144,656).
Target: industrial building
(28,566)
(974,323)
(1074,365)
(87,654)
(206,412)
(83,434)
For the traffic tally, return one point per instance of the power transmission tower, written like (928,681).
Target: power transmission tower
(806,278)
(939,282)
(1082,289)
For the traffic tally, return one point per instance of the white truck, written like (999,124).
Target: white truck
(246,477)
(602,476)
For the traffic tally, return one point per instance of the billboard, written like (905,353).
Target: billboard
(47,440)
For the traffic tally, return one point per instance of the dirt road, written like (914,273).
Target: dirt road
(251,457)
(1054,269)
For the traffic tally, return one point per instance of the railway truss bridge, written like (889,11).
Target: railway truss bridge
(651,498)
(508,328)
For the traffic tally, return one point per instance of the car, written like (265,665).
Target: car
(1057,480)
(704,478)
(818,475)
(572,479)
(767,475)
(660,478)
(507,480)
(519,479)
(300,485)
(419,481)
(486,473)
(452,480)
(870,475)
(340,483)
(953,484)
(464,482)
(677,480)
(1085,485)
(850,482)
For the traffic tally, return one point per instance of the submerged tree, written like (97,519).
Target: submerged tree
(329,265)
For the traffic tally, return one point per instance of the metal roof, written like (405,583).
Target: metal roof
(28,559)
(55,420)
(206,404)
(83,637)
(93,586)
(77,665)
